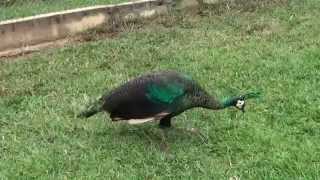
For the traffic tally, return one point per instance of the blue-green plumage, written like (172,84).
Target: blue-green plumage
(165,93)
(161,96)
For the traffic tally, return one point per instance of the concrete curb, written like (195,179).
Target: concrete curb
(24,32)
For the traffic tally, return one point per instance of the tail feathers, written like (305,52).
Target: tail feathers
(91,110)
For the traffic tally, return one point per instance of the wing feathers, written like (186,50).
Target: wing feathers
(164,93)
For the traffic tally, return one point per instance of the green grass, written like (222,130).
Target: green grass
(274,51)
(30,8)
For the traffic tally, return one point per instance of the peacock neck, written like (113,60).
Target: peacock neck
(206,101)
(210,102)
(215,104)
(229,102)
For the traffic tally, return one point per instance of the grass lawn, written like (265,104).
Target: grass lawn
(275,51)
(30,8)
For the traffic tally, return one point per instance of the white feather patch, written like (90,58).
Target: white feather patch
(140,121)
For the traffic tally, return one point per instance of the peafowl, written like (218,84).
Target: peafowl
(159,96)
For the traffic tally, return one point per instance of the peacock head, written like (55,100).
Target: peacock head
(240,104)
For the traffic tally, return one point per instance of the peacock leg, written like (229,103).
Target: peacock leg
(164,146)
(164,125)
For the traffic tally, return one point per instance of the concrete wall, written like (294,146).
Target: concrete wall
(48,27)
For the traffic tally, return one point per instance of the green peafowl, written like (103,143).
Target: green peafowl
(159,96)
